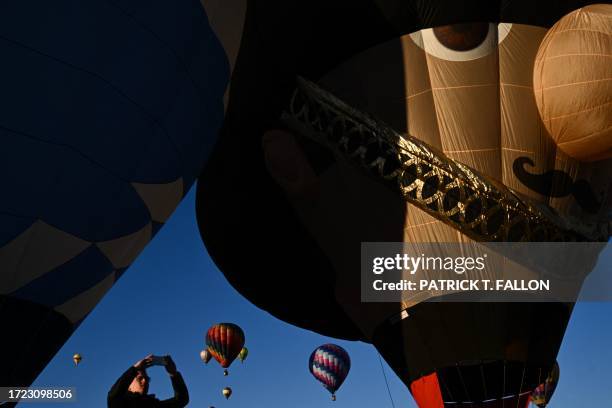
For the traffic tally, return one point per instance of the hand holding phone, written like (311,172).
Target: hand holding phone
(145,362)
(158,360)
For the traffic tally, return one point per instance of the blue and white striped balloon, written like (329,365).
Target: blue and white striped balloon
(330,365)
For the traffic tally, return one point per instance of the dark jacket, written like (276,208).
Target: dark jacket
(120,397)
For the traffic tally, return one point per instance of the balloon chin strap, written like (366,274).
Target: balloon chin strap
(333,397)
(225,373)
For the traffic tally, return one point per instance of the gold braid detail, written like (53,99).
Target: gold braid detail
(476,205)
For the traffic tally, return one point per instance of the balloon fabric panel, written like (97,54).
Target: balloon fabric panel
(110,112)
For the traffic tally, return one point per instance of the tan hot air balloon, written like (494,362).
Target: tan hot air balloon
(473,100)
(227,392)
(77,359)
(205,356)
(575,104)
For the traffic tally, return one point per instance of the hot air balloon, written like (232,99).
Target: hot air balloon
(205,355)
(225,341)
(456,77)
(543,393)
(77,359)
(243,354)
(330,364)
(97,150)
(227,392)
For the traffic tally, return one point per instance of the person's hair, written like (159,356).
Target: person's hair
(142,371)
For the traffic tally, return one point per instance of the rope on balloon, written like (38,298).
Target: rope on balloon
(382,368)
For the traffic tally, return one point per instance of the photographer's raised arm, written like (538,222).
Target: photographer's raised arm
(119,389)
(181,395)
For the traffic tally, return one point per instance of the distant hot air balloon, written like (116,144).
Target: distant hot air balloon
(330,365)
(243,354)
(225,341)
(205,355)
(457,76)
(97,149)
(77,359)
(227,392)
(543,393)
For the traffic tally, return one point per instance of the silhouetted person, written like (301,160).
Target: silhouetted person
(131,389)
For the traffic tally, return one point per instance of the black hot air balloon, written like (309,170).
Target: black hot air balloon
(457,76)
(109,111)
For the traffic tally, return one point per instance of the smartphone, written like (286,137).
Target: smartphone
(158,360)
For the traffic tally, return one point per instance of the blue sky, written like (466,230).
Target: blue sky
(173,292)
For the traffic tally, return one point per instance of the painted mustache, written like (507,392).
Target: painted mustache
(556,183)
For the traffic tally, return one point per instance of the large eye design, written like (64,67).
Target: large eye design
(462,37)
(461,42)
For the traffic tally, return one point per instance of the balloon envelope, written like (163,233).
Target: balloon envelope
(108,114)
(225,341)
(243,354)
(573,104)
(330,364)
(456,76)
(205,355)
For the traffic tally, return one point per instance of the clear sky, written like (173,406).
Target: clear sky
(173,292)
